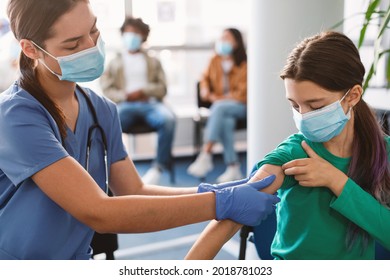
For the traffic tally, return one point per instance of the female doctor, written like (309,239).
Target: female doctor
(61,147)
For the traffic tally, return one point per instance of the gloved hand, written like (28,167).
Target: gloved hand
(205,187)
(244,204)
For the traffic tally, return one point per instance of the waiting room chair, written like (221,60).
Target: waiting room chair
(200,120)
(141,127)
(261,236)
(105,242)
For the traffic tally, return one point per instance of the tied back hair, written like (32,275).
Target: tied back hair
(33,20)
(331,60)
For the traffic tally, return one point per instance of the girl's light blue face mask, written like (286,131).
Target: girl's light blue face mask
(132,41)
(323,124)
(84,66)
(223,48)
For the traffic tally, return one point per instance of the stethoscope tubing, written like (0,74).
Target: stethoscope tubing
(95,126)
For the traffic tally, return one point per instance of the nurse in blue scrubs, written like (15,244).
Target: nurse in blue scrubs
(61,147)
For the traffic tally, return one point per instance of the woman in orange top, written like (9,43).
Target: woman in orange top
(224,84)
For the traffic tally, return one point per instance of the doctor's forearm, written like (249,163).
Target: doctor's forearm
(162,190)
(136,214)
(125,180)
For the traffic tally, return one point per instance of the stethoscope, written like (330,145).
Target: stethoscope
(95,126)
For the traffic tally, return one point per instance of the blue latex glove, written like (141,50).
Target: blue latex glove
(244,204)
(205,187)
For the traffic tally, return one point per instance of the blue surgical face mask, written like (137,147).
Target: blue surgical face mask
(132,41)
(84,66)
(323,124)
(223,48)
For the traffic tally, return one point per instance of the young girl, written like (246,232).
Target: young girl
(60,148)
(332,177)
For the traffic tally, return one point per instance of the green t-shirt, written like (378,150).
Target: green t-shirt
(312,223)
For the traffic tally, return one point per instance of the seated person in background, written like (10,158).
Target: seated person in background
(4,26)
(224,84)
(334,175)
(136,82)
(9,55)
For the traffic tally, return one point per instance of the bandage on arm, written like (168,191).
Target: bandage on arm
(217,233)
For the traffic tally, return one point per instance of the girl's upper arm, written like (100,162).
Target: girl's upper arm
(267,170)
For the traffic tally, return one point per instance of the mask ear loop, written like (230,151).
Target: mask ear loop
(348,114)
(46,52)
(345,95)
(43,63)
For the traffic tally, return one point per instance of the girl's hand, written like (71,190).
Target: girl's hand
(315,172)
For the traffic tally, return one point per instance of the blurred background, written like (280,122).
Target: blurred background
(183,33)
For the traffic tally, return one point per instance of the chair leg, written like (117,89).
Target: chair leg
(197,138)
(244,233)
(110,255)
(172,175)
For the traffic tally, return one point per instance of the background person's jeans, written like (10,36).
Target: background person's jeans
(221,125)
(156,115)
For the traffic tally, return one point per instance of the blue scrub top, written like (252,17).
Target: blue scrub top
(32,226)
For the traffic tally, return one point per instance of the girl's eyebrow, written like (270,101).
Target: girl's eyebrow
(309,100)
(315,100)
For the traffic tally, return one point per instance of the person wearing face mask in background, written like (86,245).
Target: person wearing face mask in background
(136,82)
(333,176)
(224,84)
(61,149)
(9,54)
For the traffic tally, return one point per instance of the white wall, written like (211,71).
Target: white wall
(275,27)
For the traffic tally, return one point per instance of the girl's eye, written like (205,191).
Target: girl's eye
(295,107)
(316,108)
